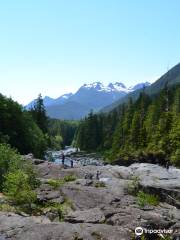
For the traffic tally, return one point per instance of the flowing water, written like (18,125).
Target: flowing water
(78,158)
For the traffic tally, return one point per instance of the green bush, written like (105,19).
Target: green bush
(10,161)
(133,186)
(32,174)
(100,185)
(144,199)
(69,178)
(175,158)
(56,183)
(18,189)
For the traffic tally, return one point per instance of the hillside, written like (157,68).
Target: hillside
(172,77)
(67,111)
(147,129)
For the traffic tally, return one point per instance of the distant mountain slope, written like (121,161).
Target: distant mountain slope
(47,101)
(67,111)
(96,95)
(93,96)
(172,77)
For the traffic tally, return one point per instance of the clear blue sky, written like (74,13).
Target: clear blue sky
(55,46)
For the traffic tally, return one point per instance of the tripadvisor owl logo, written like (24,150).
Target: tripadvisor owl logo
(138,231)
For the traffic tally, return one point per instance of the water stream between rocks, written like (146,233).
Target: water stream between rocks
(79,158)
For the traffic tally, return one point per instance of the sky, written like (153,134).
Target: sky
(53,47)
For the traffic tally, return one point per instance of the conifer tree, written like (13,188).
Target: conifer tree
(39,114)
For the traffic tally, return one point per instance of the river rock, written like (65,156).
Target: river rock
(93,215)
(106,212)
(47,193)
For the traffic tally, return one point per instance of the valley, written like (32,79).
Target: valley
(89,120)
(119,175)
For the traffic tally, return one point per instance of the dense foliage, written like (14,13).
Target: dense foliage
(18,128)
(38,113)
(17,177)
(146,128)
(61,132)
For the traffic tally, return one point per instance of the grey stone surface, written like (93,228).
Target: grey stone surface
(93,215)
(108,212)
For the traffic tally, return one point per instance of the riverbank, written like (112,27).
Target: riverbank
(109,208)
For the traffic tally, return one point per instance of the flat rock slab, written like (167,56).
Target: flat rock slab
(15,227)
(86,197)
(67,231)
(94,215)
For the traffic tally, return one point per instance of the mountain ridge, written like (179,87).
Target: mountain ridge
(93,96)
(170,78)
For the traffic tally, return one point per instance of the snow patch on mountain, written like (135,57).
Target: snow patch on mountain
(139,86)
(114,87)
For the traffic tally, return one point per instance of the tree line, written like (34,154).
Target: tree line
(61,132)
(148,128)
(26,131)
(31,131)
(19,128)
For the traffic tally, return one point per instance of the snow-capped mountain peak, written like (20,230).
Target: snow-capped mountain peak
(139,86)
(98,86)
(95,85)
(120,87)
(66,96)
(94,96)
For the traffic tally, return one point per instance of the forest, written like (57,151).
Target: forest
(146,129)
(23,132)
(32,131)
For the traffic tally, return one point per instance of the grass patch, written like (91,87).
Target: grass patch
(69,178)
(144,199)
(5,207)
(56,183)
(60,208)
(100,184)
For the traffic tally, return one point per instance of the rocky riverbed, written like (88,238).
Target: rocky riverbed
(79,158)
(101,208)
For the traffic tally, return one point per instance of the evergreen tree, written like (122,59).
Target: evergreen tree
(148,127)
(39,114)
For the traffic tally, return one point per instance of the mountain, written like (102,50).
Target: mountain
(48,101)
(170,78)
(93,96)
(67,111)
(62,99)
(139,86)
(96,95)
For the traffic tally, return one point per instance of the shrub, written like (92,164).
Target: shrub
(69,178)
(144,199)
(175,158)
(10,161)
(5,207)
(32,174)
(100,184)
(133,186)
(18,189)
(56,183)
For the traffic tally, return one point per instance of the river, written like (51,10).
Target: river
(79,158)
